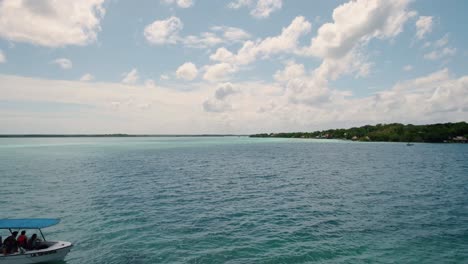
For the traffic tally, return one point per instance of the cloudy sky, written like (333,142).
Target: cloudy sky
(236,66)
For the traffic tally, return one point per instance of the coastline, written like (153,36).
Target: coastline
(395,132)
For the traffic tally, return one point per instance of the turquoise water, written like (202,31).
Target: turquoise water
(242,200)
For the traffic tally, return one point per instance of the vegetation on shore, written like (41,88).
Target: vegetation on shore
(436,133)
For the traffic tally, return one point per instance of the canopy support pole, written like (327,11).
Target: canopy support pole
(42,235)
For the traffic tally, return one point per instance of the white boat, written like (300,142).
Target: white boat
(50,250)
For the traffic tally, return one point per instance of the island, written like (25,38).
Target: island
(395,132)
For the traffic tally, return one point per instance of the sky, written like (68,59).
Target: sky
(229,67)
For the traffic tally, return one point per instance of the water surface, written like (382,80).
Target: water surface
(242,200)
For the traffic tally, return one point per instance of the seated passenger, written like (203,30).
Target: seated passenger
(10,245)
(32,242)
(22,240)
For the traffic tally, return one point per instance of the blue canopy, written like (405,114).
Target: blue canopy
(30,223)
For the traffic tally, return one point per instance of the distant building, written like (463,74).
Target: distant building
(460,139)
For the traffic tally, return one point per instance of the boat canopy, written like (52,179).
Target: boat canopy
(28,223)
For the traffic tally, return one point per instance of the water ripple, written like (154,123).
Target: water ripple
(241,200)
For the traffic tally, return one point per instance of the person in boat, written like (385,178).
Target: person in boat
(22,240)
(10,245)
(34,243)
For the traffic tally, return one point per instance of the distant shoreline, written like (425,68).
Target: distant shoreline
(395,132)
(109,135)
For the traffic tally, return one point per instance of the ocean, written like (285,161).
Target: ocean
(240,199)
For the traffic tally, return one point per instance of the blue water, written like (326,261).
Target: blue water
(242,200)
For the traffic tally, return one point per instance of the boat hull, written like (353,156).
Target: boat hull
(57,251)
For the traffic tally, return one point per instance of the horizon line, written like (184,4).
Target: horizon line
(120,135)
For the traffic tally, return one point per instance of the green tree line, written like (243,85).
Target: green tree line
(447,132)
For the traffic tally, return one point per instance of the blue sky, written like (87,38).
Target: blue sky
(237,66)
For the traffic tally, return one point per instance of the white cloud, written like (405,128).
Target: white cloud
(87,77)
(222,54)
(225,90)
(352,63)
(437,97)
(205,40)
(338,43)
(439,54)
(423,26)
(187,71)
(286,42)
(440,49)
(408,68)
(131,77)
(264,8)
(63,63)
(257,107)
(443,41)
(313,89)
(430,97)
(2,57)
(357,22)
(219,102)
(180,3)
(218,72)
(218,35)
(240,3)
(216,106)
(167,32)
(150,83)
(232,33)
(427,44)
(259,8)
(101,108)
(51,23)
(291,71)
(299,98)
(163,31)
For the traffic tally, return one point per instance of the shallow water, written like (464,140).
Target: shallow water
(242,200)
